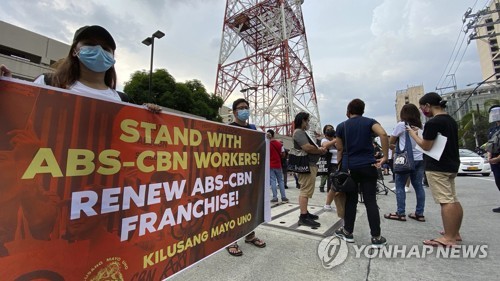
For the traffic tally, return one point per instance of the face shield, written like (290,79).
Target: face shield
(494,115)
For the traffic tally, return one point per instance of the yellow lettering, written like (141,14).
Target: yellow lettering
(148,127)
(194,138)
(129,133)
(163,135)
(43,155)
(80,158)
(110,164)
(140,161)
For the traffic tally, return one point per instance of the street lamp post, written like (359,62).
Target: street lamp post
(151,41)
(246,95)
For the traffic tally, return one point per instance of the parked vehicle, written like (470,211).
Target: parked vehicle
(473,164)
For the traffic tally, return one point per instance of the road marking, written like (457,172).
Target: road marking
(486,179)
(285,217)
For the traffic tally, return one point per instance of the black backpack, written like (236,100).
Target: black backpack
(47,78)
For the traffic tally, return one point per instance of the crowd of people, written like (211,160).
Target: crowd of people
(351,147)
(89,70)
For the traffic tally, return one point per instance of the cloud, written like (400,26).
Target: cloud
(407,43)
(367,50)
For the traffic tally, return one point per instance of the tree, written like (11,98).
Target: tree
(190,96)
(467,129)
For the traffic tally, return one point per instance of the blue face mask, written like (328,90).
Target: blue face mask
(96,58)
(243,114)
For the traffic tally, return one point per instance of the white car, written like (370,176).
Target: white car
(473,164)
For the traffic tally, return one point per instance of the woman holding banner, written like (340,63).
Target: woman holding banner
(89,67)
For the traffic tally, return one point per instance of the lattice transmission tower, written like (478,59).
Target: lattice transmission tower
(264,58)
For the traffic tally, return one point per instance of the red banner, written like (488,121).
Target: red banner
(99,190)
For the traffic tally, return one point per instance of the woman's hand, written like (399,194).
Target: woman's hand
(495,160)
(4,71)
(153,107)
(322,150)
(380,161)
(25,143)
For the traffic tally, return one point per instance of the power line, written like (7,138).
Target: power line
(461,58)
(471,93)
(451,55)
(447,71)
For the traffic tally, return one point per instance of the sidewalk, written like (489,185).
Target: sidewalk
(291,252)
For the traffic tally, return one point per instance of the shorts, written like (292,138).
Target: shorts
(442,186)
(308,181)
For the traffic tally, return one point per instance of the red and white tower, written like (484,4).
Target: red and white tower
(264,58)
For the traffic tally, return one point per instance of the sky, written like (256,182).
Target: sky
(366,49)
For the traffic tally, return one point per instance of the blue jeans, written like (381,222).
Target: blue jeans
(277,174)
(416,178)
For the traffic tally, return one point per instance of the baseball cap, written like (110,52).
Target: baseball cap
(94,31)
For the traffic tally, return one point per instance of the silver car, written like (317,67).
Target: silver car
(473,164)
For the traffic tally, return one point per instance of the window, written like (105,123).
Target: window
(18,54)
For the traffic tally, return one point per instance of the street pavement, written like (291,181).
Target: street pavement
(292,251)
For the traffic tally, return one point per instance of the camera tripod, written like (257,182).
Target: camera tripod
(381,187)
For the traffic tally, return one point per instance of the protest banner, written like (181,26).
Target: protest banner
(95,189)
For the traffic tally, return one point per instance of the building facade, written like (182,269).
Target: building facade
(459,104)
(409,95)
(28,54)
(487,35)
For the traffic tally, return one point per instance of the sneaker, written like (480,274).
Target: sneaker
(286,186)
(328,208)
(393,188)
(321,189)
(274,200)
(284,200)
(308,222)
(379,242)
(496,210)
(341,233)
(391,181)
(407,189)
(311,216)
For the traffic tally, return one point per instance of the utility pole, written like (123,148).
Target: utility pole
(475,129)
(452,80)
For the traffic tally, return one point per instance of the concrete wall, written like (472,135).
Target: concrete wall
(28,54)
(412,94)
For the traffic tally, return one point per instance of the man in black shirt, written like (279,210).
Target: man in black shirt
(441,173)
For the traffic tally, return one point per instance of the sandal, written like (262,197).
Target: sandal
(256,242)
(234,250)
(437,243)
(395,216)
(416,217)
(458,238)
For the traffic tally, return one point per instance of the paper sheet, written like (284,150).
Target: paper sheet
(437,147)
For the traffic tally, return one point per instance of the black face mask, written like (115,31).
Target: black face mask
(330,133)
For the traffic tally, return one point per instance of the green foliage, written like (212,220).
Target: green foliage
(466,130)
(190,96)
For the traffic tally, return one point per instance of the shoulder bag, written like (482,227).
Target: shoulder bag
(342,181)
(403,159)
(298,161)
